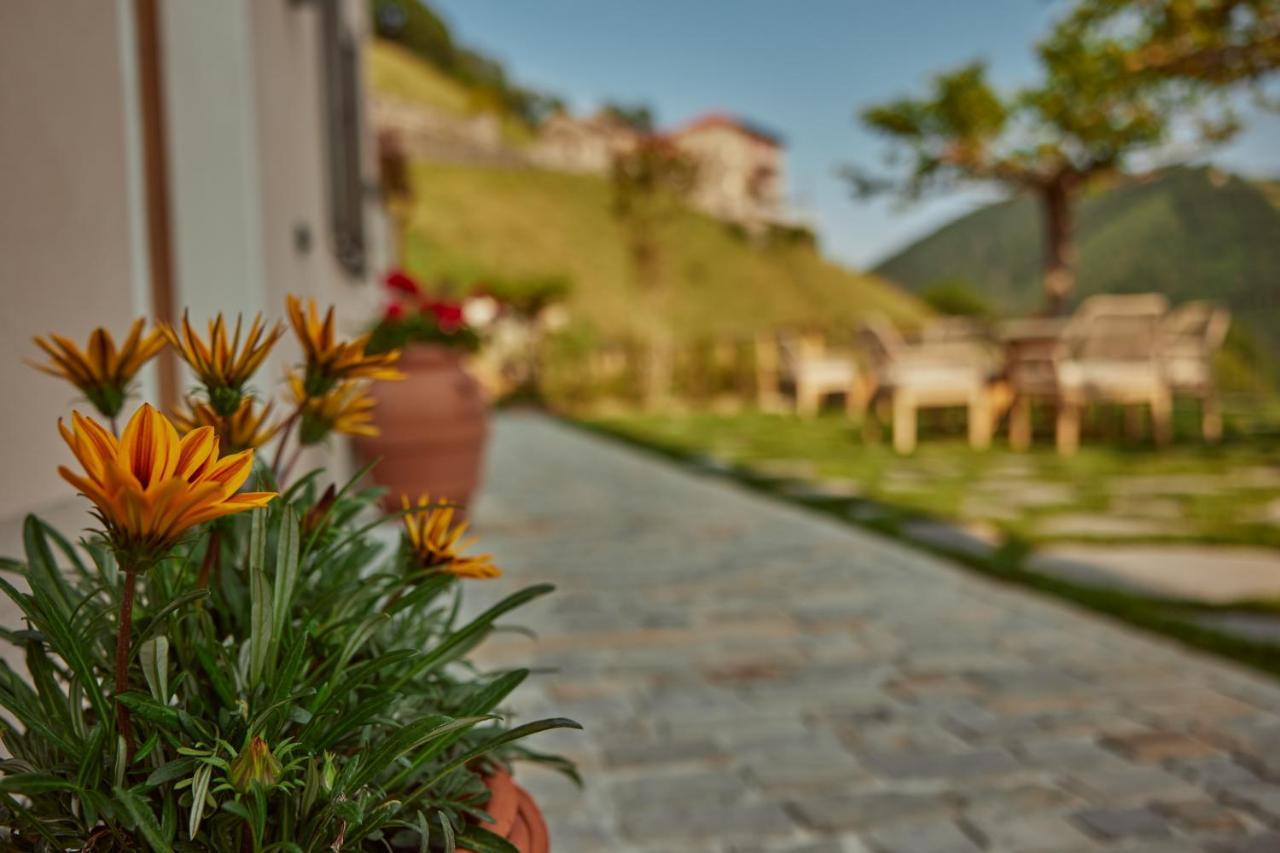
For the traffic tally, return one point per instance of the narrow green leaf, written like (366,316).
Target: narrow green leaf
(324,519)
(149,709)
(154,656)
(199,793)
(407,739)
(35,783)
(47,582)
(215,674)
(286,578)
(66,548)
(260,599)
(143,818)
(480,840)
(89,773)
(175,769)
(471,631)
(487,697)
(157,620)
(478,705)
(52,700)
(489,746)
(424,591)
(14,806)
(67,645)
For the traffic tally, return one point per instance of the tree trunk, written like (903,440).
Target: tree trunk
(656,371)
(1059,268)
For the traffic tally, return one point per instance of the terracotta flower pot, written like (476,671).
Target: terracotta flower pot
(432,429)
(516,817)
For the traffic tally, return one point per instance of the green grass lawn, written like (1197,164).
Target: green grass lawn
(1190,492)
(470,222)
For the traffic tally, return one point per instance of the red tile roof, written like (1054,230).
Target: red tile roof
(723,119)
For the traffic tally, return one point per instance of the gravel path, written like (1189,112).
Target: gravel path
(753,677)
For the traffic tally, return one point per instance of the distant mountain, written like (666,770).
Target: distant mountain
(1191,233)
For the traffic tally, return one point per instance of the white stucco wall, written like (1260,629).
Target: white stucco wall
(247,151)
(213,158)
(67,219)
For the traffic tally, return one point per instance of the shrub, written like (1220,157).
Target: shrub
(957,298)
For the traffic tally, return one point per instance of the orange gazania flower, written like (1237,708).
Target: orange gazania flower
(149,487)
(345,408)
(224,363)
(101,371)
(330,361)
(434,540)
(246,428)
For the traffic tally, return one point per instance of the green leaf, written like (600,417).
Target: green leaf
(324,519)
(67,644)
(199,793)
(407,739)
(35,783)
(480,840)
(425,590)
(470,632)
(149,709)
(89,773)
(487,697)
(47,582)
(299,484)
(215,674)
(157,620)
(154,656)
(490,745)
(484,701)
(14,806)
(558,763)
(143,818)
(175,769)
(260,599)
(66,548)
(52,700)
(286,578)
(285,679)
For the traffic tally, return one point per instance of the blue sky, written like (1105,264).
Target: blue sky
(803,68)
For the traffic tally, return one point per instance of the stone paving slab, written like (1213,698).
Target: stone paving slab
(754,677)
(1215,573)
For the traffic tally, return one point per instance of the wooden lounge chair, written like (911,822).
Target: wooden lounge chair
(788,363)
(909,377)
(1189,337)
(1108,352)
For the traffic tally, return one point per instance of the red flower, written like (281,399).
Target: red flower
(402,282)
(448,314)
(394,312)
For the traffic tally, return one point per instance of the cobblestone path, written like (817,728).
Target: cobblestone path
(753,677)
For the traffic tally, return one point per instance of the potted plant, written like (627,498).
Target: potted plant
(433,425)
(229,661)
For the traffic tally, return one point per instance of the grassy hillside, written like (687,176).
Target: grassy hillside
(475,222)
(1190,233)
(471,222)
(391,69)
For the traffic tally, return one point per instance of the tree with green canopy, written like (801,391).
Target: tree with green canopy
(1088,119)
(1216,42)
(649,184)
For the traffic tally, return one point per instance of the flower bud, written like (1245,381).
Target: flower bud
(255,763)
(319,510)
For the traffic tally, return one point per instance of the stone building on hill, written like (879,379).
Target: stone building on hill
(571,144)
(739,164)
